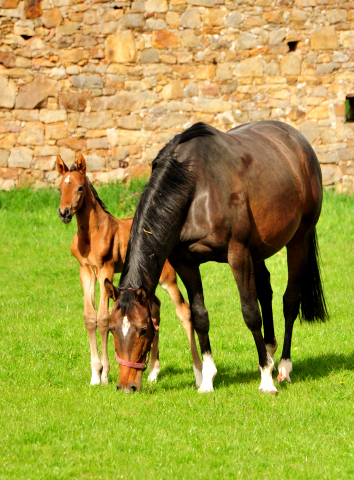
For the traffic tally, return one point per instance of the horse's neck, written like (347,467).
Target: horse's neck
(90,215)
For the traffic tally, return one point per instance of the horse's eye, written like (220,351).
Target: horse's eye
(81,189)
(143,331)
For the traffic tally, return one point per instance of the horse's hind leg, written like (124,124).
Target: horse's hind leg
(242,267)
(88,281)
(183,312)
(265,294)
(297,252)
(155,367)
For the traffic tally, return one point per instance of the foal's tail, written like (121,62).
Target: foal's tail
(313,306)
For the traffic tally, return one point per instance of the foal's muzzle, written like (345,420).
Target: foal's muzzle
(65,215)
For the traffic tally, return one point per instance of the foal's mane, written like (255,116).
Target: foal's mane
(160,214)
(73,168)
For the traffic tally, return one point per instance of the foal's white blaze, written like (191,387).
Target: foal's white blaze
(67,180)
(209,372)
(285,367)
(125,326)
(267,384)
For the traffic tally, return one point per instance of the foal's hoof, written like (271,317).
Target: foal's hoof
(271,392)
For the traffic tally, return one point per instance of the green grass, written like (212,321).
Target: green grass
(55,426)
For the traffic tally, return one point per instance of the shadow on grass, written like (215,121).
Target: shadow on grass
(316,367)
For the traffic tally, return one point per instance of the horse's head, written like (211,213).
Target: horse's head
(133,330)
(71,188)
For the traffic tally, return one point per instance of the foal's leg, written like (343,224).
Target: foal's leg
(242,267)
(103,321)
(190,276)
(155,367)
(297,251)
(183,312)
(265,294)
(88,282)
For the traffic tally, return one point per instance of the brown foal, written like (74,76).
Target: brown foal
(100,247)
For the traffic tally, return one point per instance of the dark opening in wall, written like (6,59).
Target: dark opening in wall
(292,46)
(349,107)
(26,37)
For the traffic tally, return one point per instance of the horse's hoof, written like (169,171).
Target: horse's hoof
(271,392)
(205,389)
(104,381)
(283,378)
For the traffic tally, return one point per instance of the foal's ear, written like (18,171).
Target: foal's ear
(112,291)
(81,165)
(141,296)
(61,167)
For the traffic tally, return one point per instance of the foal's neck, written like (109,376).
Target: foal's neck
(90,215)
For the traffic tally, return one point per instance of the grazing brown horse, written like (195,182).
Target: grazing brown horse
(237,198)
(100,246)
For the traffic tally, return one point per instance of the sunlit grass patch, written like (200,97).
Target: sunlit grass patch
(54,425)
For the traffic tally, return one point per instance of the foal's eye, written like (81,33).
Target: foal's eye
(143,331)
(81,189)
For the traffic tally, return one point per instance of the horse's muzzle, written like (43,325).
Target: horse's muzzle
(130,388)
(65,215)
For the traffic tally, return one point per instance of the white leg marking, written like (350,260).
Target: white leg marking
(267,384)
(209,372)
(285,367)
(154,372)
(96,367)
(125,326)
(198,376)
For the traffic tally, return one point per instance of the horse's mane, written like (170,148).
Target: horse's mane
(73,168)
(160,214)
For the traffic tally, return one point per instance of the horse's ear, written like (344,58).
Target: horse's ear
(61,167)
(141,296)
(112,291)
(81,165)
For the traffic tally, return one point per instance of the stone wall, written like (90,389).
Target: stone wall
(116,80)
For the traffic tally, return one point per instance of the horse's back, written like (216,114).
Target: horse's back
(259,181)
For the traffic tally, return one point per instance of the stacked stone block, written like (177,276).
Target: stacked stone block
(116,80)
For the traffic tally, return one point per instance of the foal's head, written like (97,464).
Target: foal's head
(71,188)
(132,327)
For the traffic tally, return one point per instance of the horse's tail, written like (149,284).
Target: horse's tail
(313,306)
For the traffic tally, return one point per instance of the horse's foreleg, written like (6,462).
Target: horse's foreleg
(103,321)
(242,267)
(88,282)
(190,276)
(265,294)
(155,367)
(183,312)
(297,252)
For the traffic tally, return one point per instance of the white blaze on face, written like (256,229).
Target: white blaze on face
(67,180)
(125,326)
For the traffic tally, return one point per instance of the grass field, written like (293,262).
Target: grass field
(54,425)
